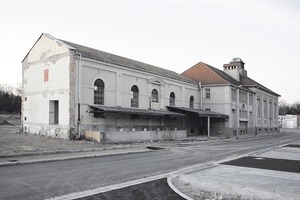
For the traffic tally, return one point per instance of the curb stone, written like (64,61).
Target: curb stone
(102,154)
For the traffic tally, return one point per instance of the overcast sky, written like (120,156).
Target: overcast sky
(172,34)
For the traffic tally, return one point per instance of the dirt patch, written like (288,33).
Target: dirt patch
(4,122)
(14,142)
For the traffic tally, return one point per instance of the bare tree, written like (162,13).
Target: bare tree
(10,99)
(291,109)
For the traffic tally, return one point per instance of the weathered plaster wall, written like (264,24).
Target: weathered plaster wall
(38,91)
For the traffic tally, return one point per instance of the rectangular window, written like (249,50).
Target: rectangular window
(265,109)
(275,111)
(250,119)
(270,109)
(46,75)
(250,99)
(234,118)
(243,97)
(207,93)
(53,112)
(233,94)
(258,108)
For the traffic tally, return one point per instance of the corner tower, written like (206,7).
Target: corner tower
(235,68)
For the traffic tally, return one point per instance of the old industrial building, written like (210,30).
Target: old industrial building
(252,108)
(70,91)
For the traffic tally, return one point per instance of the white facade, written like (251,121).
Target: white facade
(59,95)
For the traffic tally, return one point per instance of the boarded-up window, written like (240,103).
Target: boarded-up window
(46,75)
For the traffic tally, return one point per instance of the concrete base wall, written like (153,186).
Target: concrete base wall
(93,135)
(133,136)
(48,131)
(240,132)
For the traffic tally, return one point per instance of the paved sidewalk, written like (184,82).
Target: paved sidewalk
(221,181)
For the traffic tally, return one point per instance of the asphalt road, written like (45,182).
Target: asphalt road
(50,179)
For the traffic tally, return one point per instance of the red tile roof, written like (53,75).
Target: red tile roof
(209,75)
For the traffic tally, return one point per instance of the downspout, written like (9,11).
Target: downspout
(208,127)
(200,96)
(79,98)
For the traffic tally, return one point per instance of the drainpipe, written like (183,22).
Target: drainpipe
(79,98)
(208,127)
(200,96)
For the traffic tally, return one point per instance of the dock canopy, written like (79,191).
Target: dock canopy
(121,110)
(199,112)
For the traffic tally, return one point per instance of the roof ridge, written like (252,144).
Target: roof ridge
(214,68)
(128,62)
(260,85)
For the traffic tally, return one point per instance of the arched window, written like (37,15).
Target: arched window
(99,92)
(192,101)
(154,95)
(172,99)
(134,95)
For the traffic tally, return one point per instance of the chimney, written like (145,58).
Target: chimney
(235,68)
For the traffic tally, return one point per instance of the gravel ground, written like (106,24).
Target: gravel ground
(13,142)
(195,190)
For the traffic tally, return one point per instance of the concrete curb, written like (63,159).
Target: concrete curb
(73,157)
(54,152)
(169,180)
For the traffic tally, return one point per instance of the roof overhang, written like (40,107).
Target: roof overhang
(135,111)
(199,112)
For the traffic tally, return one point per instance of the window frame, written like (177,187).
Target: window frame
(172,99)
(154,96)
(192,99)
(53,112)
(134,96)
(207,93)
(99,88)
